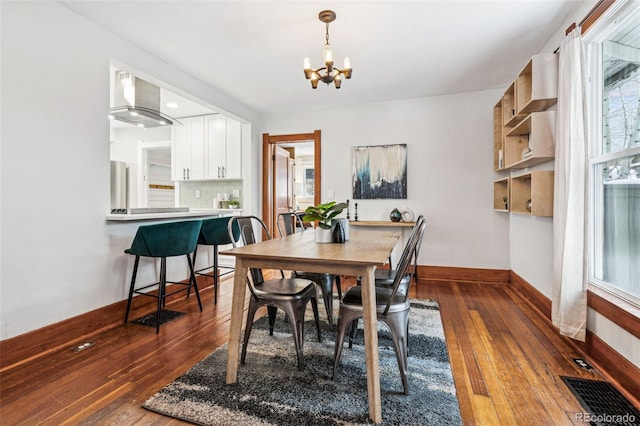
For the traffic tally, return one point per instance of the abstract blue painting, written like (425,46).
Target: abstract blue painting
(380,172)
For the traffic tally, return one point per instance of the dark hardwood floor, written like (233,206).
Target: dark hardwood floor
(505,358)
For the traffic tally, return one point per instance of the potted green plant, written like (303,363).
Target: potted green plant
(323,214)
(234,204)
(505,200)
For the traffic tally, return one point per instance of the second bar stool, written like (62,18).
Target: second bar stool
(161,241)
(214,233)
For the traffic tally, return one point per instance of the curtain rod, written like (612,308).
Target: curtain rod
(596,12)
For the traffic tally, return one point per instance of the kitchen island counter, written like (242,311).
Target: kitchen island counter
(173,215)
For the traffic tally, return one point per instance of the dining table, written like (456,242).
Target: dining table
(359,256)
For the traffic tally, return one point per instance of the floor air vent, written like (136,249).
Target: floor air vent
(604,404)
(165,316)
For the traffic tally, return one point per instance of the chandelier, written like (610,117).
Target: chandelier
(327,74)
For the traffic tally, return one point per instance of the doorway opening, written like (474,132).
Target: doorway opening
(155,187)
(281,191)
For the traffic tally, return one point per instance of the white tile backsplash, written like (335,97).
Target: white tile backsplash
(208,191)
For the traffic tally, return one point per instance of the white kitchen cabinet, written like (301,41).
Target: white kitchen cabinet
(223,148)
(188,149)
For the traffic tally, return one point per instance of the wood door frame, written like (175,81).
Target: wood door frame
(268,144)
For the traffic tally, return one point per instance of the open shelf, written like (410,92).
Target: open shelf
(501,190)
(531,142)
(532,193)
(537,84)
(509,116)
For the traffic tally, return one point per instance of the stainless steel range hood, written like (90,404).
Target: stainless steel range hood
(137,102)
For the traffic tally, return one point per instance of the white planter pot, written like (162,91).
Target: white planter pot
(324,235)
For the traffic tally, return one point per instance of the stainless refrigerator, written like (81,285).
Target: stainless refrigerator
(119,187)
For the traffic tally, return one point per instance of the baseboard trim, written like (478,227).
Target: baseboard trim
(617,369)
(541,302)
(66,334)
(452,273)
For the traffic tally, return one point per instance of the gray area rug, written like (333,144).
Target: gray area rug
(271,391)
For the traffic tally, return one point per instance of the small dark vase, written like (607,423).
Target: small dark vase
(338,233)
(395,215)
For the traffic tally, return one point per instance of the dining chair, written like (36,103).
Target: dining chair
(392,308)
(214,233)
(289,294)
(386,277)
(288,223)
(161,241)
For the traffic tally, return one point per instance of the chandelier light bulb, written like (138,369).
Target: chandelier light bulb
(327,54)
(347,63)
(307,64)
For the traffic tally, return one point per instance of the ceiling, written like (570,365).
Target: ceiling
(253,50)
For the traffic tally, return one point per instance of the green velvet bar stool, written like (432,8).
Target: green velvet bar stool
(162,241)
(214,233)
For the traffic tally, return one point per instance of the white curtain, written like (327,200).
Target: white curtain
(569,299)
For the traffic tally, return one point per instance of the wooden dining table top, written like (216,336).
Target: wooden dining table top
(363,248)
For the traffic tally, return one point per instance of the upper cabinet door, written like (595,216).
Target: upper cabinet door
(216,131)
(233,167)
(187,149)
(180,151)
(223,148)
(196,130)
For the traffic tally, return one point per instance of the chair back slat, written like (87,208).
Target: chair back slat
(246,227)
(166,239)
(288,222)
(408,251)
(405,261)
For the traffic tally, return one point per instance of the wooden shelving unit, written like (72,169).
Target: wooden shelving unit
(532,193)
(531,142)
(537,84)
(524,136)
(501,189)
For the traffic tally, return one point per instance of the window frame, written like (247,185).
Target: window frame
(593,41)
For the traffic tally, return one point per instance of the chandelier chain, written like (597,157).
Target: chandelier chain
(327,35)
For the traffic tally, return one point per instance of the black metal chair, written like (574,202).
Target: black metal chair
(385,277)
(289,223)
(289,294)
(214,233)
(392,307)
(164,240)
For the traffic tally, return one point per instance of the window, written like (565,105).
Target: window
(613,55)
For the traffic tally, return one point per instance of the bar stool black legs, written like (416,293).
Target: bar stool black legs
(214,233)
(162,241)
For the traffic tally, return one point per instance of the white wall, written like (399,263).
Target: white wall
(450,178)
(59,256)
